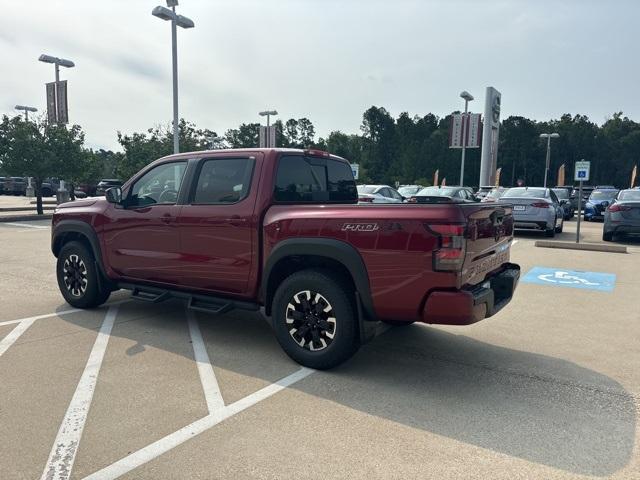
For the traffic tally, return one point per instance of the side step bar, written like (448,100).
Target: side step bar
(201,303)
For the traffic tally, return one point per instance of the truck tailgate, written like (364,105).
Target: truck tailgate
(489,235)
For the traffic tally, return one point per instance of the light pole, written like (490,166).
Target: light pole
(467,98)
(176,21)
(58,62)
(26,111)
(548,136)
(268,113)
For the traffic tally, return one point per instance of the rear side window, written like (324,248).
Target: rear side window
(314,180)
(223,181)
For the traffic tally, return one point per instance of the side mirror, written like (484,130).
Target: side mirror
(114,195)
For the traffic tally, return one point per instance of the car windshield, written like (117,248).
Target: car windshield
(366,189)
(603,195)
(629,195)
(526,192)
(561,192)
(437,192)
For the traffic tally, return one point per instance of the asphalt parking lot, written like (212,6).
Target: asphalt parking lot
(548,388)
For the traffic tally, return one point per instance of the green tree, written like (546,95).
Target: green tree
(39,150)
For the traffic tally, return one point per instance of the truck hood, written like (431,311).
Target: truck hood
(85,202)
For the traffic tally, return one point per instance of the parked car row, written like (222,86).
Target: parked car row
(18,186)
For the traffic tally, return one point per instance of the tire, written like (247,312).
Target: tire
(561,227)
(330,336)
(551,232)
(398,323)
(607,236)
(84,290)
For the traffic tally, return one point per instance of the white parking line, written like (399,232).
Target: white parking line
(26,225)
(40,317)
(15,334)
(207,376)
(65,447)
(171,441)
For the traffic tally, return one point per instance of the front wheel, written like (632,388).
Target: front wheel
(78,279)
(314,319)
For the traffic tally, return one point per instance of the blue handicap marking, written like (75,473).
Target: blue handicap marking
(561,277)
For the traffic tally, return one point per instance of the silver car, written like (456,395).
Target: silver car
(623,215)
(378,194)
(535,208)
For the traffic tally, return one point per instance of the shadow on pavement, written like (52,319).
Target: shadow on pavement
(534,407)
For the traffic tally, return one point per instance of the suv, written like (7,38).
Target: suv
(281,229)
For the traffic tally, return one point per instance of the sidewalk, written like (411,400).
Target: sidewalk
(19,209)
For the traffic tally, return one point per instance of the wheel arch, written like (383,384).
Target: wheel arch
(295,254)
(74,230)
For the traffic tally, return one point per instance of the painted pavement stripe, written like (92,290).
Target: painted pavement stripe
(65,447)
(177,438)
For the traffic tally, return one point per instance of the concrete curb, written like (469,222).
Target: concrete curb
(26,209)
(24,218)
(593,247)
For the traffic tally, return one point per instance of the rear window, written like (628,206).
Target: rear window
(526,192)
(437,192)
(629,195)
(303,179)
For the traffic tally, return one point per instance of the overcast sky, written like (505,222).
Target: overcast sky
(327,60)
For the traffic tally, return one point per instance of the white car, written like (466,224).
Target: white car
(378,194)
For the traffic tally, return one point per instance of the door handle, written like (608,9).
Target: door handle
(236,220)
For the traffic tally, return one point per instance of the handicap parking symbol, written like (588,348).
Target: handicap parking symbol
(560,277)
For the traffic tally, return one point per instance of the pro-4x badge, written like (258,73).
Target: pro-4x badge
(360,227)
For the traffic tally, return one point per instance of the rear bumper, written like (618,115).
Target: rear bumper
(530,224)
(470,305)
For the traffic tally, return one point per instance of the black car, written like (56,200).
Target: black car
(15,186)
(105,184)
(564,196)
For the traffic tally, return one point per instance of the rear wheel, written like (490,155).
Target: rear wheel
(314,319)
(78,278)
(559,229)
(607,236)
(551,232)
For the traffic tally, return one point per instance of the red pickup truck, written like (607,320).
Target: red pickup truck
(281,229)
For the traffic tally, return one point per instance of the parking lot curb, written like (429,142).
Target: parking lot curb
(25,218)
(593,247)
(26,209)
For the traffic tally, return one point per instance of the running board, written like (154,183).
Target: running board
(209,306)
(202,303)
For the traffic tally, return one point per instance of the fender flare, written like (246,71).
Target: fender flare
(84,229)
(338,250)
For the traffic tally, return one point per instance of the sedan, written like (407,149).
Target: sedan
(378,194)
(623,215)
(597,203)
(105,184)
(439,194)
(535,208)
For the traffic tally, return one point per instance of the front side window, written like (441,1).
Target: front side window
(160,185)
(225,180)
(318,180)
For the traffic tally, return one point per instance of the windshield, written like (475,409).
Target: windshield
(561,192)
(437,192)
(629,195)
(603,195)
(366,189)
(526,192)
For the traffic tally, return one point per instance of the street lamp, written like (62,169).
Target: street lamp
(548,136)
(467,98)
(268,113)
(58,62)
(26,111)
(176,21)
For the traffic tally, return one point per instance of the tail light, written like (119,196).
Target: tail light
(365,199)
(449,256)
(541,205)
(619,208)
